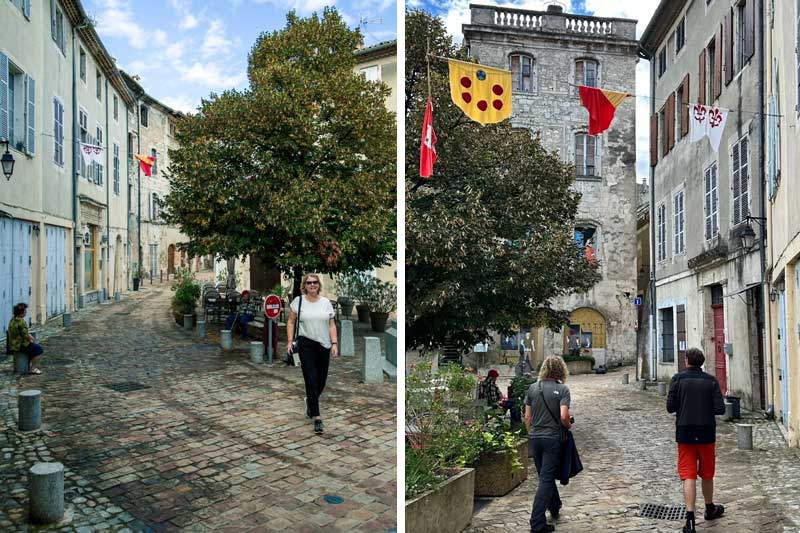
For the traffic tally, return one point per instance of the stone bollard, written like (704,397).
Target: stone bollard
(625,378)
(117,296)
(187,322)
(662,388)
(642,384)
(390,338)
(347,345)
(46,493)
(372,361)
(257,352)
(29,403)
(728,416)
(21,362)
(66,319)
(201,329)
(744,436)
(225,339)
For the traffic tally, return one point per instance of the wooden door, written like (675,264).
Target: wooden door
(680,319)
(171,259)
(720,364)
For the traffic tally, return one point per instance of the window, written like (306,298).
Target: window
(155,205)
(172,128)
(98,167)
(741,181)
(58,26)
(712,71)
(680,35)
(83,64)
(24,6)
(586,71)
(774,135)
(89,260)
(711,202)
(143,115)
(662,119)
(130,145)
(83,125)
(116,108)
(661,232)
(662,62)
(667,335)
(99,80)
(58,132)
(522,73)
(18,108)
(680,95)
(154,154)
(741,42)
(586,238)
(585,152)
(372,73)
(679,223)
(116,169)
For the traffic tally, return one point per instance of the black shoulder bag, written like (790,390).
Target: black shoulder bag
(563,433)
(293,359)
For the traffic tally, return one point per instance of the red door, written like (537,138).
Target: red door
(719,347)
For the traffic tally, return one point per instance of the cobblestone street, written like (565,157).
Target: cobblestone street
(214,444)
(626,441)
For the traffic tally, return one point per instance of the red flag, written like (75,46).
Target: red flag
(146,163)
(427,149)
(602,105)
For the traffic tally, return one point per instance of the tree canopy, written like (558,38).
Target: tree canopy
(299,169)
(489,237)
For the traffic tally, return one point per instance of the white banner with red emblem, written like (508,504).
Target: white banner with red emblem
(92,153)
(708,121)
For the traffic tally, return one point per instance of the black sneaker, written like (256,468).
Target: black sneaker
(554,514)
(549,528)
(318,429)
(716,513)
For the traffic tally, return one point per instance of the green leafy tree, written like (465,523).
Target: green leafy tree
(489,238)
(299,169)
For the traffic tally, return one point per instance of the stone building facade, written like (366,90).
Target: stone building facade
(708,283)
(549,54)
(782,73)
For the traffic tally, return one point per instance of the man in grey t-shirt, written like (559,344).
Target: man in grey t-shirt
(543,425)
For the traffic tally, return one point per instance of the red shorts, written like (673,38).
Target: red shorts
(696,459)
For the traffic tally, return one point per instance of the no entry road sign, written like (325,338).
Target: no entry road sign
(272,306)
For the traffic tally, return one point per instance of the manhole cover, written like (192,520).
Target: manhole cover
(663,512)
(333,500)
(127,386)
(626,409)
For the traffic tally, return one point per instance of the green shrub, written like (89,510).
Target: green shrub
(586,358)
(187,292)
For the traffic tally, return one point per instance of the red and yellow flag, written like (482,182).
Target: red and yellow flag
(146,163)
(602,105)
(482,93)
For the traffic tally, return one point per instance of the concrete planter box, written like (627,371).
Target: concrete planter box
(179,318)
(579,367)
(446,509)
(493,475)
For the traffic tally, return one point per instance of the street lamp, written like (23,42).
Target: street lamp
(7,161)
(747,235)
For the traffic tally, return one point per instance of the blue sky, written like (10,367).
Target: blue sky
(455,13)
(185,49)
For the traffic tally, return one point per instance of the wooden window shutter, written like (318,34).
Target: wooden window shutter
(685,107)
(671,122)
(718,63)
(749,29)
(663,115)
(701,77)
(654,140)
(729,37)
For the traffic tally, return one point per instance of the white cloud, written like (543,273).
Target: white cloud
(189,22)
(181,102)
(116,20)
(303,7)
(216,41)
(211,75)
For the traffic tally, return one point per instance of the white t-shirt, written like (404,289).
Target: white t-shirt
(315,319)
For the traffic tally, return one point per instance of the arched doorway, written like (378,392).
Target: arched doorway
(586,331)
(171,259)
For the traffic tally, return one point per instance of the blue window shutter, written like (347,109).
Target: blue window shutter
(26,8)
(3,96)
(30,116)
(53,20)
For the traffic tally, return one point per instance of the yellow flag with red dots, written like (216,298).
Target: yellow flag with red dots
(482,93)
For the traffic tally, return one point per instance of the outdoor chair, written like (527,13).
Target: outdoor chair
(212,304)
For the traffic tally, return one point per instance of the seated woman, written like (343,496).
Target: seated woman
(20,339)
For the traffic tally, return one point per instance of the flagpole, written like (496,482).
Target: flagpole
(428,61)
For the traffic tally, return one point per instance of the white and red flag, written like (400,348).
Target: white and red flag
(427,149)
(708,121)
(92,153)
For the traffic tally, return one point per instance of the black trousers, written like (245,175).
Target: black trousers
(314,361)
(547,458)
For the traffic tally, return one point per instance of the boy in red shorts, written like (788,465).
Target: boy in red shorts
(696,397)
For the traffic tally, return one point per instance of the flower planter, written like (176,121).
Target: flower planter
(347,308)
(579,367)
(363,312)
(446,509)
(378,321)
(136,284)
(493,475)
(179,318)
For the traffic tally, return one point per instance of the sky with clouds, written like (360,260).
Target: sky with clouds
(185,49)
(456,12)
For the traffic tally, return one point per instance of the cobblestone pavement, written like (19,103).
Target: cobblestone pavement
(214,444)
(629,458)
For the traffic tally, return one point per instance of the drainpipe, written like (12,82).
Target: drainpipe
(75,155)
(139,186)
(108,201)
(653,301)
(128,198)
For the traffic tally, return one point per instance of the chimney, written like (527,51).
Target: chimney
(555,8)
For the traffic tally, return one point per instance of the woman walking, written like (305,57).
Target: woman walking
(546,414)
(20,339)
(316,341)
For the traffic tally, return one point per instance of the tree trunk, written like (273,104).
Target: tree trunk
(298,278)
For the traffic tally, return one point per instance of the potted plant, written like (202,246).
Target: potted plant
(362,294)
(187,293)
(503,461)
(138,273)
(383,301)
(345,288)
